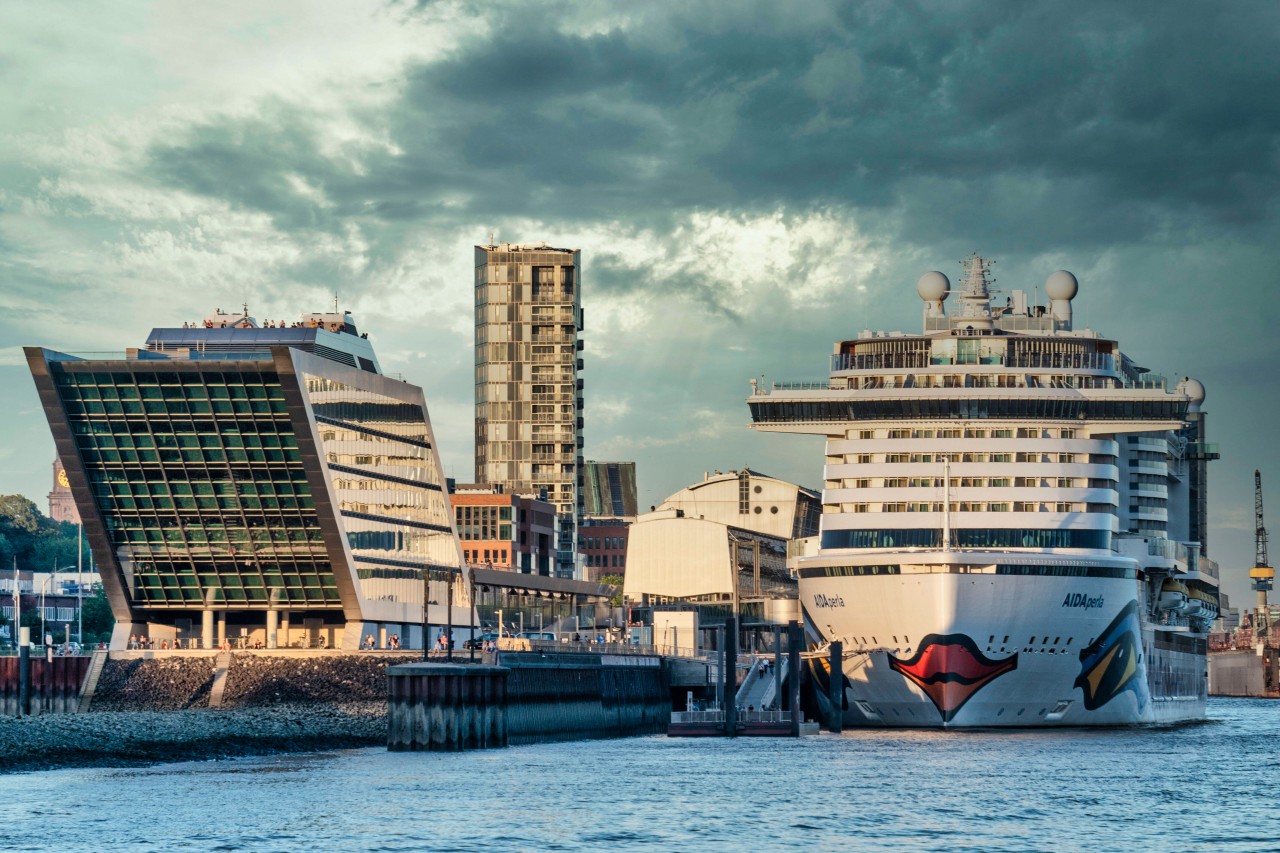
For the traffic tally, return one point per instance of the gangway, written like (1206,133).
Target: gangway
(759,690)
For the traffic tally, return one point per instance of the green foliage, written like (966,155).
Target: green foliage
(616,582)
(97,617)
(38,543)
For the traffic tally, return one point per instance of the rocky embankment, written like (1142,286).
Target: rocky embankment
(131,738)
(155,684)
(257,680)
(156,710)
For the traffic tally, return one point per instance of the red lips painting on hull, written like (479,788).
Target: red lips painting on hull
(950,669)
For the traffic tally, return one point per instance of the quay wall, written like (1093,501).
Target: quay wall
(579,700)
(526,700)
(1244,673)
(55,685)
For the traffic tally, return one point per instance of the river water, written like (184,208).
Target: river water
(1198,787)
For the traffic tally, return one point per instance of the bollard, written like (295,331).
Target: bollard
(731,676)
(835,687)
(24,671)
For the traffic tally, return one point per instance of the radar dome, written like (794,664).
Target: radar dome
(933,286)
(1193,388)
(1061,285)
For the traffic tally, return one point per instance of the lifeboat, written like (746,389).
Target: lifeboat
(1174,596)
(1207,600)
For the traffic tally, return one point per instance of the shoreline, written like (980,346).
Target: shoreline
(143,738)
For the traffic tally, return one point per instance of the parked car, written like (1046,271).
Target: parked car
(478,642)
(540,636)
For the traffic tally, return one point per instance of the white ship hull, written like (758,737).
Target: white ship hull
(973,650)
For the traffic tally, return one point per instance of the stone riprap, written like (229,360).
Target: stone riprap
(170,683)
(255,680)
(124,739)
(151,708)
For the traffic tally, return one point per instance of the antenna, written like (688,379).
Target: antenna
(335,302)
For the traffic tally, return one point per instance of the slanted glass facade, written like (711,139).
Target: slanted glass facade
(197,475)
(387,485)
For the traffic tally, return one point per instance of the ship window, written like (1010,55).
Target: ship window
(1055,640)
(1006,639)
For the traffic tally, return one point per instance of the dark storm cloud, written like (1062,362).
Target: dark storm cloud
(1064,124)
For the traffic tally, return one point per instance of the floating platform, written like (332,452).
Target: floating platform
(748,724)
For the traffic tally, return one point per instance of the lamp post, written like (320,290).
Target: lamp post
(426,599)
(471,619)
(448,629)
(80,583)
(44,588)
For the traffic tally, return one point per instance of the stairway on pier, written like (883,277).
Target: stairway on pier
(759,689)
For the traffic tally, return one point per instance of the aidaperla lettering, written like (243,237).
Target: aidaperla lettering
(1083,601)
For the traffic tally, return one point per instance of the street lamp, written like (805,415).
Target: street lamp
(80,583)
(44,588)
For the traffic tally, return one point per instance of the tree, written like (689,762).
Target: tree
(37,542)
(19,514)
(614,581)
(97,618)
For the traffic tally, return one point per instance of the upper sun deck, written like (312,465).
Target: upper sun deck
(1016,336)
(229,336)
(1016,361)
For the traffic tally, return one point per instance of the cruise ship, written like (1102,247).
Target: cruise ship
(1014,512)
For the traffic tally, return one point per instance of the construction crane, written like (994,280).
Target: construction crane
(1262,574)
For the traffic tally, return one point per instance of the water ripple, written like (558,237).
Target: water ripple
(1069,790)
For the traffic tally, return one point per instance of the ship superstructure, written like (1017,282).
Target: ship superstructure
(1007,523)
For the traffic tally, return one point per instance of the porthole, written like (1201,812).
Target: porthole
(758,490)
(773,509)
(758,510)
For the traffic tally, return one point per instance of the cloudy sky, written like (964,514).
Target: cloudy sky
(748,181)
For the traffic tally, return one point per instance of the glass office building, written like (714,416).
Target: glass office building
(245,485)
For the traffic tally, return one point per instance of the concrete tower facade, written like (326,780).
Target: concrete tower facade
(528,390)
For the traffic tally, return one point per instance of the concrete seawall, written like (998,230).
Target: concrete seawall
(559,700)
(1244,673)
(526,700)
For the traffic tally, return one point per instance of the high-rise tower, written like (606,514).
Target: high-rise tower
(528,394)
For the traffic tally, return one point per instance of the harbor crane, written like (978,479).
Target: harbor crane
(1262,574)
